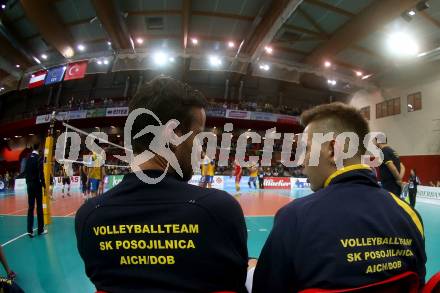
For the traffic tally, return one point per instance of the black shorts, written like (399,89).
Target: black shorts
(66,180)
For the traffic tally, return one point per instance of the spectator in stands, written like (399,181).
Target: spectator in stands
(326,239)
(9,272)
(438,183)
(206,227)
(432,184)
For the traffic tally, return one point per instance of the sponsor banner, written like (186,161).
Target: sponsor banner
(287,119)
(299,183)
(41,119)
(92,113)
(263,116)
(111,181)
(428,192)
(238,114)
(219,112)
(62,115)
(80,114)
(277,183)
(75,182)
(117,111)
(218,182)
(20,185)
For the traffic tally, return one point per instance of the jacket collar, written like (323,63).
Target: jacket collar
(351,173)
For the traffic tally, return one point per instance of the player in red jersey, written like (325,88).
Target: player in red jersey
(237,173)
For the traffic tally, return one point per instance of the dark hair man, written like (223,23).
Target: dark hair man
(170,236)
(349,232)
(35,184)
(391,170)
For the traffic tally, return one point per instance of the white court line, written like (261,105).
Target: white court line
(4,215)
(70,214)
(16,238)
(17,211)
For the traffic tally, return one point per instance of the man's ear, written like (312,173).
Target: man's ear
(332,148)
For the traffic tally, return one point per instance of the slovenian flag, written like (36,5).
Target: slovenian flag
(37,79)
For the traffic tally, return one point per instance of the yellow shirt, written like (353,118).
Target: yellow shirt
(211,169)
(95,173)
(204,169)
(253,172)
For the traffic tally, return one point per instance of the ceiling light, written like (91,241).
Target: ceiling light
(160,58)
(171,59)
(17,65)
(68,52)
(215,60)
(359,73)
(17,136)
(406,16)
(367,76)
(44,56)
(231,44)
(118,135)
(140,41)
(81,47)
(109,43)
(3,6)
(402,44)
(264,67)
(105,61)
(37,60)
(31,134)
(99,62)
(331,82)
(194,41)
(2,88)
(412,12)
(327,64)
(268,49)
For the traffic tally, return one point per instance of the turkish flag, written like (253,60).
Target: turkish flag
(76,70)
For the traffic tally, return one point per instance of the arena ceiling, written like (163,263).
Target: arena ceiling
(278,39)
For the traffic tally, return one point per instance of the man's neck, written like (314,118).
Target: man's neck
(156,163)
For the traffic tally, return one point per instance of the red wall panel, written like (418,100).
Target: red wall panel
(427,167)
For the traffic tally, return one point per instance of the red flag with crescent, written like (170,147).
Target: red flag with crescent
(76,70)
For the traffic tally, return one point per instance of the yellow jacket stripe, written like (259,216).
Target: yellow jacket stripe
(344,170)
(410,212)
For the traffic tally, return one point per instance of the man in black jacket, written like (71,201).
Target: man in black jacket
(169,236)
(350,232)
(35,184)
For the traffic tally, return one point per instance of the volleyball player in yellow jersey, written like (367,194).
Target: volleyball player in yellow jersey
(210,173)
(95,175)
(253,174)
